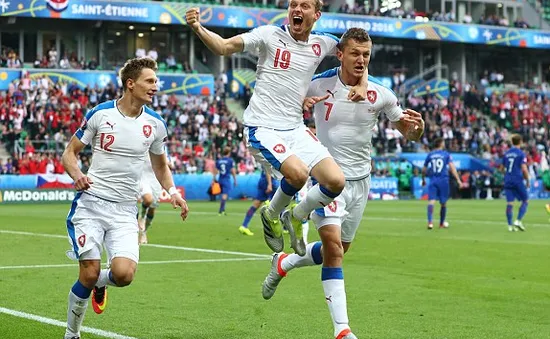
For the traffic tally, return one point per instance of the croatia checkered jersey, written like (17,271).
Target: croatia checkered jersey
(284,71)
(346,127)
(120,146)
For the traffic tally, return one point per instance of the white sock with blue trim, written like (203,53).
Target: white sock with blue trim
(312,257)
(335,295)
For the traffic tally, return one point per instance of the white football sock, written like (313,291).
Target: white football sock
(104,278)
(279,201)
(305,230)
(312,257)
(314,199)
(75,315)
(335,296)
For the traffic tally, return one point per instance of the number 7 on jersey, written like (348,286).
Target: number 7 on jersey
(329,109)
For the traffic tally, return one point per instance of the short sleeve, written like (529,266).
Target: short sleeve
(313,89)
(427,161)
(392,108)
(255,39)
(88,128)
(159,144)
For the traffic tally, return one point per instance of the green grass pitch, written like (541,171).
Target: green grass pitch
(473,280)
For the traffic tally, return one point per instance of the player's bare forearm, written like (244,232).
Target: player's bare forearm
(162,170)
(219,45)
(525,172)
(69,158)
(454,172)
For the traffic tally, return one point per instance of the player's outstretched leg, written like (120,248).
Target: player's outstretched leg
(283,263)
(79,296)
(249,214)
(521,213)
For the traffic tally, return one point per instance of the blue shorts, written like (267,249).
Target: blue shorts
(515,191)
(226,187)
(439,190)
(262,186)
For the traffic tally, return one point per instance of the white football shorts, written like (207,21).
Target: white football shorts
(272,147)
(346,210)
(94,223)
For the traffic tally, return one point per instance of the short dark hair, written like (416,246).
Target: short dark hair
(438,142)
(516,139)
(133,67)
(357,34)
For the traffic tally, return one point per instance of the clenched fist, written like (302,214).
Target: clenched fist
(192,16)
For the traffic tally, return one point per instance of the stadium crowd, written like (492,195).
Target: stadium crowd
(38,117)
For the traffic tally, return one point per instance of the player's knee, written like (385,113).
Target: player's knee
(89,275)
(297,176)
(147,200)
(336,183)
(124,277)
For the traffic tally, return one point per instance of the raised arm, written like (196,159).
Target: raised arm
(213,41)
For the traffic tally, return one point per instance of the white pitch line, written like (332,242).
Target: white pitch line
(160,262)
(207,250)
(191,249)
(49,321)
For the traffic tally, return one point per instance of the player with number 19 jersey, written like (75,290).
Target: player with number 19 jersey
(274,127)
(284,71)
(437,167)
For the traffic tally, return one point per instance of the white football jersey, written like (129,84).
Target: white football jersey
(346,127)
(120,146)
(284,71)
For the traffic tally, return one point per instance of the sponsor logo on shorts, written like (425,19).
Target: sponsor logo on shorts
(279,148)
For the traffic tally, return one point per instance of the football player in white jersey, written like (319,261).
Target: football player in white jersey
(122,133)
(150,191)
(274,128)
(346,129)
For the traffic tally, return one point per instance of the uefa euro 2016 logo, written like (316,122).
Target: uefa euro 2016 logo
(58,5)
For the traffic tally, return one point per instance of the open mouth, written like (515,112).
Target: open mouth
(297,20)
(359,68)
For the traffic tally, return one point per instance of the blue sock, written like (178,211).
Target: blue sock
(316,254)
(522,209)
(442,214)
(430,213)
(288,189)
(249,216)
(509,213)
(80,290)
(222,206)
(329,273)
(111,277)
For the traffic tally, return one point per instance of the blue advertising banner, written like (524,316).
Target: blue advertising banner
(196,84)
(461,161)
(383,189)
(239,17)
